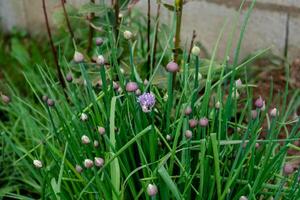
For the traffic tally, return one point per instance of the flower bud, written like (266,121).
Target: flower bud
(274,112)
(188,110)
(116,85)
(69,77)
(203,122)
(88,163)
(120,15)
(259,102)
(45,98)
(100,60)
(101,130)
(188,134)
(218,105)
(253,114)
(193,123)
(37,163)
(235,95)
(172,67)
(122,70)
(168,137)
(288,169)
(99,161)
(78,168)
(96,143)
(243,198)
(146,82)
(131,86)
(127,35)
(99,41)
(196,51)
(5,99)
(257,145)
(78,57)
(50,102)
(152,190)
(83,117)
(85,139)
(138,92)
(238,83)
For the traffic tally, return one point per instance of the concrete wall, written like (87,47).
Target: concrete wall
(272,23)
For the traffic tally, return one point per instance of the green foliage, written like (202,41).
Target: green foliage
(226,159)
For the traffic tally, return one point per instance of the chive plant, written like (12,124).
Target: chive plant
(123,139)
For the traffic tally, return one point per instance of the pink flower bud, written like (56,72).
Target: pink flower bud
(78,168)
(99,162)
(152,190)
(78,57)
(101,130)
(88,163)
(50,102)
(273,112)
(99,41)
(5,99)
(100,60)
(172,67)
(131,86)
(188,134)
(37,163)
(259,102)
(85,139)
(238,84)
(69,77)
(193,123)
(188,110)
(203,122)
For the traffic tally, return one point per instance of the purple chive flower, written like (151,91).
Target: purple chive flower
(147,101)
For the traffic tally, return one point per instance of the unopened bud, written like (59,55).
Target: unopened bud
(243,198)
(50,102)
(193,123)
(196,51)
(218,105)
(96,143)
(238,84)
(188,134)
(5,98)
(88,163)
(274,112)
(188,110)
(100,60)
(288,169)
(83,117)
(259,102)
(37,163)
(203,122)
(131,86)
(127,35)
(78,57)
(168,137)
(101,130)
(78,168)
(69,77)
(99,162)
(172,67)
(152,190)
(99,41)
(85,139)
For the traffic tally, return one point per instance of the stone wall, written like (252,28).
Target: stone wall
(273,23)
